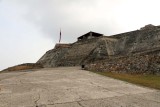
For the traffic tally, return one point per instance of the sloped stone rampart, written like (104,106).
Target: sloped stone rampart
(50,58)
(125,52)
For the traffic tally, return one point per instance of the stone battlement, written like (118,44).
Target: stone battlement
(59,45)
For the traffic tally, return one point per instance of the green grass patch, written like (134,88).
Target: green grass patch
(152,81)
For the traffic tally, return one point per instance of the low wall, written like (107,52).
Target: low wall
(136,64)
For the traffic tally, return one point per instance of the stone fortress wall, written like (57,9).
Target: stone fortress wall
(111,49)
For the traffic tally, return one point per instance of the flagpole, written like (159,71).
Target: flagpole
(60,36)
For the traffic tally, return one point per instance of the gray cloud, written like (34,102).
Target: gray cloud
(74,17)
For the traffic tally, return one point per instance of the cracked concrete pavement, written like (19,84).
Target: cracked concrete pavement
(71,87)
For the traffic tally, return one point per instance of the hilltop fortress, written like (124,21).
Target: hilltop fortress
(133,52)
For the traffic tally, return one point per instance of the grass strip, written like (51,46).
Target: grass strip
(148,80)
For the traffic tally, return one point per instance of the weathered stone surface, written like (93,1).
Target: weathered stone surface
(136,64)
(52,57)
(69,56)
(120,50)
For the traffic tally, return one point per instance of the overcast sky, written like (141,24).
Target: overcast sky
(29,28)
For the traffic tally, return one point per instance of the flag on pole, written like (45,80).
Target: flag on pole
(60,36)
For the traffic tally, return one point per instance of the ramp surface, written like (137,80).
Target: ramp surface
(71,87)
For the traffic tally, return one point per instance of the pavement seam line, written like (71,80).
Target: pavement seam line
(80,104)
(36,101)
